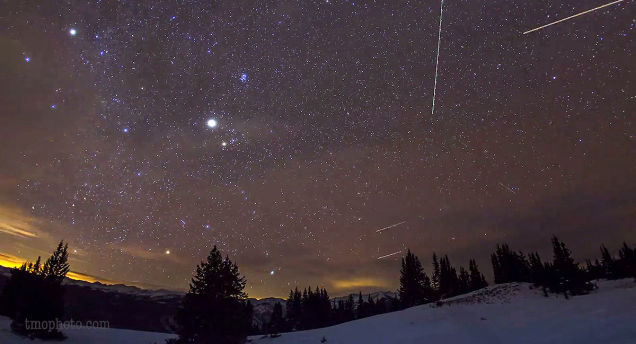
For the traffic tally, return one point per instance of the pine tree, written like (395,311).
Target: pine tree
(371,306)
(538,273)
(294,309)
(608,264)
(305,314)
(435,278)
(429,293)
(249,314)
(464,281)
(567,277)
(594,270)
(214,310)
(339,312)
(381,305)
(324,309)
(276,322)
(412,281)
(360,310)
(349,309)
(509,266)
(627,261)
(448,280)
(477,279)
(56,267)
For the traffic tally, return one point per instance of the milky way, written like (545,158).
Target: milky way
(322,135)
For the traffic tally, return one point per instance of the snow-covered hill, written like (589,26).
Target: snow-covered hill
(508,313)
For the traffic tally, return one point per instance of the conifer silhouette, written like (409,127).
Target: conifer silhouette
(215,310)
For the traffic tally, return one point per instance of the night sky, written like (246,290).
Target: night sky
(321,135)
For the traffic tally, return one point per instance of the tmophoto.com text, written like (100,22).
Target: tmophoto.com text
(64,325)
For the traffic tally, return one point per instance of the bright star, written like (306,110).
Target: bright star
(271,272)
(212,123)
(243,78)
(223,143)
(27,59)
(72,32)
(167,251)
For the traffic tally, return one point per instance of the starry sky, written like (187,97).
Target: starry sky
(292,133)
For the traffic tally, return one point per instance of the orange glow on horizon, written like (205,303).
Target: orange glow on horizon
(357,283)
(9,261)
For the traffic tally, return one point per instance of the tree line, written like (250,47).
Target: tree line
(34,293)
(216,310)
(416,287)
(561,275)
(314,309)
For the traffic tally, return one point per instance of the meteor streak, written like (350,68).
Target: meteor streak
(507,188)
(439,40)
(389,255)
(389,227)
(570,17)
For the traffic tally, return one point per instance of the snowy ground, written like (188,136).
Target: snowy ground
(86,336)
(509,313)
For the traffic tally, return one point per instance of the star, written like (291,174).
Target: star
(243,77)
(72,32)
(27,59)
(212,123)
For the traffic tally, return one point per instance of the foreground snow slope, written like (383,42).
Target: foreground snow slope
(510,313)
(88,336)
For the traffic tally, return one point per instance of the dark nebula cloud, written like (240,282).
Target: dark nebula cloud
(324,135)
